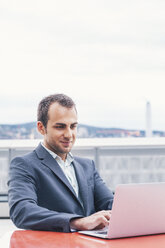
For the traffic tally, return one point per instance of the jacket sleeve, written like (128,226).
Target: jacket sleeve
(103,196)
(24,209)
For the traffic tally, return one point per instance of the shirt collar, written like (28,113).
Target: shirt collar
(69,158)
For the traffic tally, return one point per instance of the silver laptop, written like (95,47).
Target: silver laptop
(138,209)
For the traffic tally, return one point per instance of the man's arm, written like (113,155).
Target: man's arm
(103,196)
(103,200)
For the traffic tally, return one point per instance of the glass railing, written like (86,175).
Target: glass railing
(122,160)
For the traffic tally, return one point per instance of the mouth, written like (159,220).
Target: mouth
(66,143)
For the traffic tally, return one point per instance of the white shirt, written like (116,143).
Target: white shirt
(67,168)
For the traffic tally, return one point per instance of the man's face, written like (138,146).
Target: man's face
(61,130)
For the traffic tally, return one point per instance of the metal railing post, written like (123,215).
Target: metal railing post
(96,157)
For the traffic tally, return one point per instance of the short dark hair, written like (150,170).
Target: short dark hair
(43,107)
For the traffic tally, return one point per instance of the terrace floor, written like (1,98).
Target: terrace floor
(6,226)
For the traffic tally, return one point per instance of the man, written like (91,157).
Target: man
(49,189)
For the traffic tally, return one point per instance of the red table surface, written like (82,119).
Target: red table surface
(42,239)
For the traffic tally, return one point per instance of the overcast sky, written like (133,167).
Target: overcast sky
(109,56)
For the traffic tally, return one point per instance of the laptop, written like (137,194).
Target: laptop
(138,209)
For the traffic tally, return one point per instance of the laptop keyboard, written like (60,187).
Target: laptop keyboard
(101,232)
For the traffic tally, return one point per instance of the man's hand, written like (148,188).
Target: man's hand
(95,221)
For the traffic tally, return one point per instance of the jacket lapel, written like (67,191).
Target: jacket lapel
(82,182)
(50,162)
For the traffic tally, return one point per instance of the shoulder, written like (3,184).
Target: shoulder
(83,160)
(25,156)
(36,155)
(25,159)
(85,163)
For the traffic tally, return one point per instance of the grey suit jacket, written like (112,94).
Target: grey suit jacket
(41,197)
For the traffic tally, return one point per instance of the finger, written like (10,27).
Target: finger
(105,211)
(107,214)
(101,226)
(104,220)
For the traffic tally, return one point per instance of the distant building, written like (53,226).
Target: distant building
(148,120)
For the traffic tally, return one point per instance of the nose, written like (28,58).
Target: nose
(68,133)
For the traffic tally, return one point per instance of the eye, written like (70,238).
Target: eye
(60,127)
(73,126)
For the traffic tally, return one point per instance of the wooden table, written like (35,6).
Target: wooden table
(42,239)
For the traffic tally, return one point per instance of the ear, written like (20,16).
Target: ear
(41,128)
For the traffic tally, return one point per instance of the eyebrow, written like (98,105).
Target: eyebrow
(58,123)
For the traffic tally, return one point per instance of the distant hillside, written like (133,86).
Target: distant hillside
(29,131)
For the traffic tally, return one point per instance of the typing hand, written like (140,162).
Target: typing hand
(95,221)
